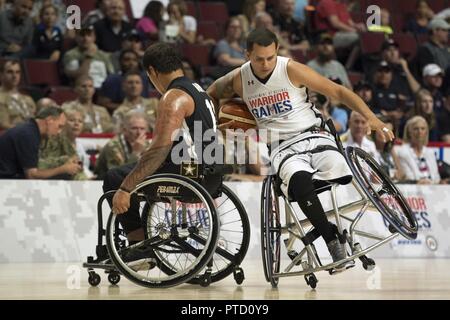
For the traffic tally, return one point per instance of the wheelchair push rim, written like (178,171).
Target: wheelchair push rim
(190,246)
(376,184)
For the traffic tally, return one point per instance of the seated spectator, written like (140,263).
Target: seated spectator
(16,30)
(365,91)
(97,14)
(87,59)
(331,109)
(110,30)
(132,87)
(299,13)
(433,77)
(388,159)
(424,108)
(388,99)
(48,38)
(401,75)
(417,161)
(19,147)
(180,27)
(14,106)
(61,15)
(250,9)
(423,14)
(56,151)
(289,27)
(230,51)
(436,49)
(443,119)
(356,135)
(332,16)
(111,94)
(325,62)
(149,24)
(96,118)
(385,24)
(127,146)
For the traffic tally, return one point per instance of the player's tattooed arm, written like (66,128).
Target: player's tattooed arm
(174,107)
(222,88)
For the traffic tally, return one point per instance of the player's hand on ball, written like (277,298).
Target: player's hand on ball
(121,202)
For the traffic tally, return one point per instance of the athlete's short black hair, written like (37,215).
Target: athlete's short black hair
(51,111)
(163,57)
(261,36)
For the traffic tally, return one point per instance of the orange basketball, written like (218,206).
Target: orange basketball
(236,110)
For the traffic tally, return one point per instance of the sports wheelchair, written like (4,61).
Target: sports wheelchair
(377,194)
(196,231)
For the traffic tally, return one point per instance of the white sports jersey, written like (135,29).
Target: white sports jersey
(278,106)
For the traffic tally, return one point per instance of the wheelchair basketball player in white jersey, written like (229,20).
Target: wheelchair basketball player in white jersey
(302,152)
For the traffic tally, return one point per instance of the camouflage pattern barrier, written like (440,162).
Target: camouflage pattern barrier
(56,221)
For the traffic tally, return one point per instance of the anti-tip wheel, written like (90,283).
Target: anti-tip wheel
(94,279)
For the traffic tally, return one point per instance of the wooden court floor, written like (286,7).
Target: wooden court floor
(392,279)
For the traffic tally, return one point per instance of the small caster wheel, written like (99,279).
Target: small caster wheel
(94,279)
(238,275)
(311,280)
(368,263)
(205,279)
(114,278)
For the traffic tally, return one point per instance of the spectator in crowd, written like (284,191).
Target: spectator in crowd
(419,23)
(385,23)
(48,38)
(110,30)
(230,51)
(250,9)
(443,118)
(436,49)
(19,147)
(131,41)
(96,118)
(132,87)
(417,161)
(388,159)
(331,109)
(2,5)
(127,146)
(16,30)
(15,107)
(290,28)
(87,59)
(356,135)
(332,16)
(388,99)
(58,150)
(325,63)
(149,24)
(433,77)
(401,75)
(44,103)
(111,94)
(61,14)
(299,13)
(98,13)
(424,107)
(180,27)
(365,91)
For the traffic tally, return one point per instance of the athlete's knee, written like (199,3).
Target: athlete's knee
(300,185)
(112,180)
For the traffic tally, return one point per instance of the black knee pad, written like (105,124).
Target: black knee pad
(301,185)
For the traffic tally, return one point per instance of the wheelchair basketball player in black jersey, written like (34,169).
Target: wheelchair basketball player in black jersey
(302,152)
(182,104)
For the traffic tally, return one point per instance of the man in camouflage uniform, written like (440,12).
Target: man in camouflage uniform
(58,150)
(132,87)
(96,118)
(127,146)
(14,106)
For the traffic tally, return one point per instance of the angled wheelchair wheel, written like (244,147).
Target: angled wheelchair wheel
(270,231)
(182,239)
(234,237)
(382,192)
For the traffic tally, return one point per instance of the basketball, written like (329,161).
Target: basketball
(236,110)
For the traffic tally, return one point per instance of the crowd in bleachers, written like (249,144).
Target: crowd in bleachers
(399,67)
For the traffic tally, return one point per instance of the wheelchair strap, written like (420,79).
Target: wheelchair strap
(310,237)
